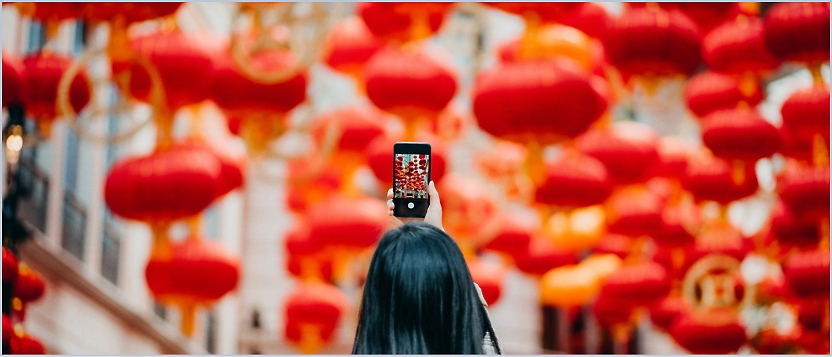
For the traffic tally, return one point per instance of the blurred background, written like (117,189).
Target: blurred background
(192,178)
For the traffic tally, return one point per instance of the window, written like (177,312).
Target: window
(110,249)
(74,226)
(210,333)
(34,185)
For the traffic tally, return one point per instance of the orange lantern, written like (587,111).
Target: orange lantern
(191,273)
(552,41)
(577,229)
(537,11)
(569,286)
(312,313)
(307,186)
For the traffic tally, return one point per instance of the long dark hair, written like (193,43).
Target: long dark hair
(419,297)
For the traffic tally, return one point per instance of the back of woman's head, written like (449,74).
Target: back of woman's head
(419,297)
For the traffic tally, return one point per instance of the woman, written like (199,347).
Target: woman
(419,297)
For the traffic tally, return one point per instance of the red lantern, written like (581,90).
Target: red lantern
(358,125)
(191,273)
(811,312)
(7,329)
(634,212)
(303,258)
(707,15)
(617,244)
(638,284)
(347,222)
(574,180)
(167,185)
(675,226)
(710,179)
(708,92)
(790,230)
(312,313)
(196,271)
(25,344)
(43,72)
(627,149)
(380,157)
(232,167)
(537,11)
(720,238)
(541,256)
(467,209)
(740,134)
(241,96)
(611,312)
(515,231)
(737,47)
(716,331)
(401,21)
(653,41)
(674,153)
(665,311)
(10,272)
(185,68)
(589,17)
(12,79)
(805,190)
(305,186)
(791,147)
(798,31)
(130,11)
(806,114)
(30,284)
(807,273)
(489,276)
(411,84)
(57,11)
(350,45)
(541,101)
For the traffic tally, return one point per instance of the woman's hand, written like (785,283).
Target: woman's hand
(433,215)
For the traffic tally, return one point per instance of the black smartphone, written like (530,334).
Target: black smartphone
(411,175)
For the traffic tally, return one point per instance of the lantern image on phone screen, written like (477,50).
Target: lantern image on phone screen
(411,178)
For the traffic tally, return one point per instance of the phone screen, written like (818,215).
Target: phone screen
(411,175)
